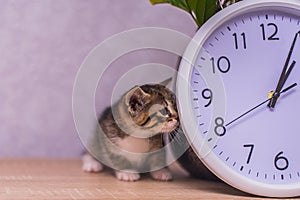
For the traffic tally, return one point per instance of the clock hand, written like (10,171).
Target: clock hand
(284,74)
(276,93)
(262,103)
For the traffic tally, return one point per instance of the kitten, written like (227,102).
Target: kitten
(136,124)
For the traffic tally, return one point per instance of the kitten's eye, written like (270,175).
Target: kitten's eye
(164,112)
(145,122)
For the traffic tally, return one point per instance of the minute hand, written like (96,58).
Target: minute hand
(284,74)
(259,105)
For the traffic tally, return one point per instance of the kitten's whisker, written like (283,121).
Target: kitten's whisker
(177,136)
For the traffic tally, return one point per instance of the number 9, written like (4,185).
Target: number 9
(207,94)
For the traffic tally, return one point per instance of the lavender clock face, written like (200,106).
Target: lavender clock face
(258,57)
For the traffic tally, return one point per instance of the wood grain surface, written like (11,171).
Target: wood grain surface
(63,179)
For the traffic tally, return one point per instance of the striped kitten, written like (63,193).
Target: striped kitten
(134,129)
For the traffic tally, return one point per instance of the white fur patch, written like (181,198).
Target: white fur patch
(90,164)
(162,175)
(127,176)
(134,145)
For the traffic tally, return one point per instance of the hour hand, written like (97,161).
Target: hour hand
(284,73)
(280,85)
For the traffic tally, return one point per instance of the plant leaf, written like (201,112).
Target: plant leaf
(200,10)
(177,3)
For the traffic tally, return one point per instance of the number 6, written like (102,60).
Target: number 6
(283,159)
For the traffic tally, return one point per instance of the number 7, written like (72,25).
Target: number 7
(251,151)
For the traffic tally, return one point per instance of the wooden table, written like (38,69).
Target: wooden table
(63,179)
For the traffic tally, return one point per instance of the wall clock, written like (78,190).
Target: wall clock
(238,94)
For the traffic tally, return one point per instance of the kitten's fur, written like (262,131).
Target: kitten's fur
(136,124)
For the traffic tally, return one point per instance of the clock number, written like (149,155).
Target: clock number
(207,94)
(220,129)
(272,36)
(213,65)
(281,162)
(251,146)
(223,64)
(237,41)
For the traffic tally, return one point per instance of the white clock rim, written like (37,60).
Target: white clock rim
(183,94)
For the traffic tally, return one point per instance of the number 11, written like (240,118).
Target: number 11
(237,42)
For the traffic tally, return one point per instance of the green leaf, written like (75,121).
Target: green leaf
(200,10)
(177,3)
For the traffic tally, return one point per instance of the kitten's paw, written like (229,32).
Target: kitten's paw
(127,176)
(90,164)
(162,175)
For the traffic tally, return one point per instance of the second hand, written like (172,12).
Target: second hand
(262,103)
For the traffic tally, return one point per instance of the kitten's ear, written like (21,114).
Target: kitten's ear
(166,82)
(136,99)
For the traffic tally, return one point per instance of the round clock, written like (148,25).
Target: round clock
(238,95)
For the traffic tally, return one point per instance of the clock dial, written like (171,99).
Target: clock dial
(258,57)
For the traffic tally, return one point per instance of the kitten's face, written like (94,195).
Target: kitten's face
(153,108)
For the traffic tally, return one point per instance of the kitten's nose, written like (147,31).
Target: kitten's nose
(173,119)
(173,115)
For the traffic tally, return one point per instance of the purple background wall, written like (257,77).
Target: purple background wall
(42,45)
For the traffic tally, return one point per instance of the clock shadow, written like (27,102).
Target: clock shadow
(222,188)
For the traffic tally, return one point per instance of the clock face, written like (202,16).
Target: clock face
(257,55)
